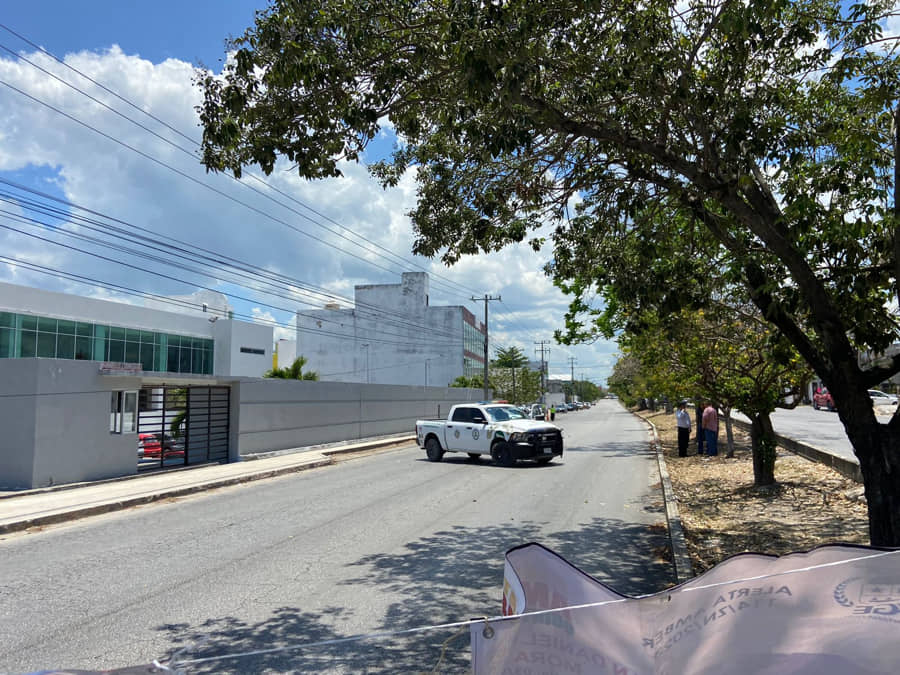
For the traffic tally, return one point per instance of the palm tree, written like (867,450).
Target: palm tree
(293,371)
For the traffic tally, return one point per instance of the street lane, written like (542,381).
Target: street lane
(818,428)
(382,543)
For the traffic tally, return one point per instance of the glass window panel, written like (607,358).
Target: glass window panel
(83,328)
(101,347)
(172,362)
(46,345)
(83,348)
(115,412)
(29,344)
(116,333)
(116,351)
(132,335)
(132,352)
(197,361)
(65,346)
(6,343)
(46,325)
(7,320)
(29,322)
(65,327)
(148,352)
(148,337)
(129,413)
(184,361)
(174,340)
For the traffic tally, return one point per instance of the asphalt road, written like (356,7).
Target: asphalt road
(382,543)
(819,428)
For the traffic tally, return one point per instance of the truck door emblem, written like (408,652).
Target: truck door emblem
(475,434)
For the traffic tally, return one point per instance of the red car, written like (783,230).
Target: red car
(149,446)
(822,399)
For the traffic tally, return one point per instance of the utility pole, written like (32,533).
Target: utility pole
(487,298)
(542,349)
(572,365)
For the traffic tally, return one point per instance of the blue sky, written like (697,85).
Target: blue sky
(62,143)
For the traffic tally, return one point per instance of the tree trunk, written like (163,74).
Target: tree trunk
(877,447)
(729,432)
(762,440)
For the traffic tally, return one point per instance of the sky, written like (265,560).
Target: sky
(117,151)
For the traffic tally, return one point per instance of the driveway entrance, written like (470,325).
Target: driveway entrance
(180,426)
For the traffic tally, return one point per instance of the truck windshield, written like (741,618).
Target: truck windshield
(504,414)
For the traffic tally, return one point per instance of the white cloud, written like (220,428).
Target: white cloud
(42,147)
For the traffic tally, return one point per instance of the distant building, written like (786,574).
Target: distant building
(392,335)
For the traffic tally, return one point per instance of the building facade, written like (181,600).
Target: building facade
(392,335)
(35,323)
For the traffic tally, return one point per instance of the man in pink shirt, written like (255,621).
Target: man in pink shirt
(710,423)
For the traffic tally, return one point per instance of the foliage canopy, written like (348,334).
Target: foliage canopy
(752,138)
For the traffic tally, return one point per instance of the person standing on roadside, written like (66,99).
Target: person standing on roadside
(683,421)
(552,412)
(711,429)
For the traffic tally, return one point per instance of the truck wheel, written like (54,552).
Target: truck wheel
(433,450)
(502,454)
(474,456)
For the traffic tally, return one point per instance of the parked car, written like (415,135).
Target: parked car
(822,399)
(151,447)
(536,411)
(880,398)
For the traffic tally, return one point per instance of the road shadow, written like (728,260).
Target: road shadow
(447,577)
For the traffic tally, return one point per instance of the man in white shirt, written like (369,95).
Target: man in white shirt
(683,420)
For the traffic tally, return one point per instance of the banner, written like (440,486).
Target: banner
(833,610)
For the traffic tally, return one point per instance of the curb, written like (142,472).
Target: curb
(680,556)
(845,467)
(82,511)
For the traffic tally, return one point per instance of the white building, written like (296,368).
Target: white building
(392,336)
(46,324)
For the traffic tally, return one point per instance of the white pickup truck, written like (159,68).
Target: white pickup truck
(499,430)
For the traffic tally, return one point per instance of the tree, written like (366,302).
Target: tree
(516,385)
(730,356)
(761,127)
(293,371)
(474,382)
(512,358)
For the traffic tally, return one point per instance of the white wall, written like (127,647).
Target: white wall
(409,341)
(230,336)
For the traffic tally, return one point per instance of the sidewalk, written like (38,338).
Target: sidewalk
(31,508)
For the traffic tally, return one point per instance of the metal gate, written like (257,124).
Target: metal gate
(178,426)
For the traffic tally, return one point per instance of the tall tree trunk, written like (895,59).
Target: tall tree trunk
(877,446)
(762,441)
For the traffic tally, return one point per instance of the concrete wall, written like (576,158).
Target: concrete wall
(283,414)
(55,421)
(55,415)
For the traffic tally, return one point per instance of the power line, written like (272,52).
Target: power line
(216,259)
(195,156)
